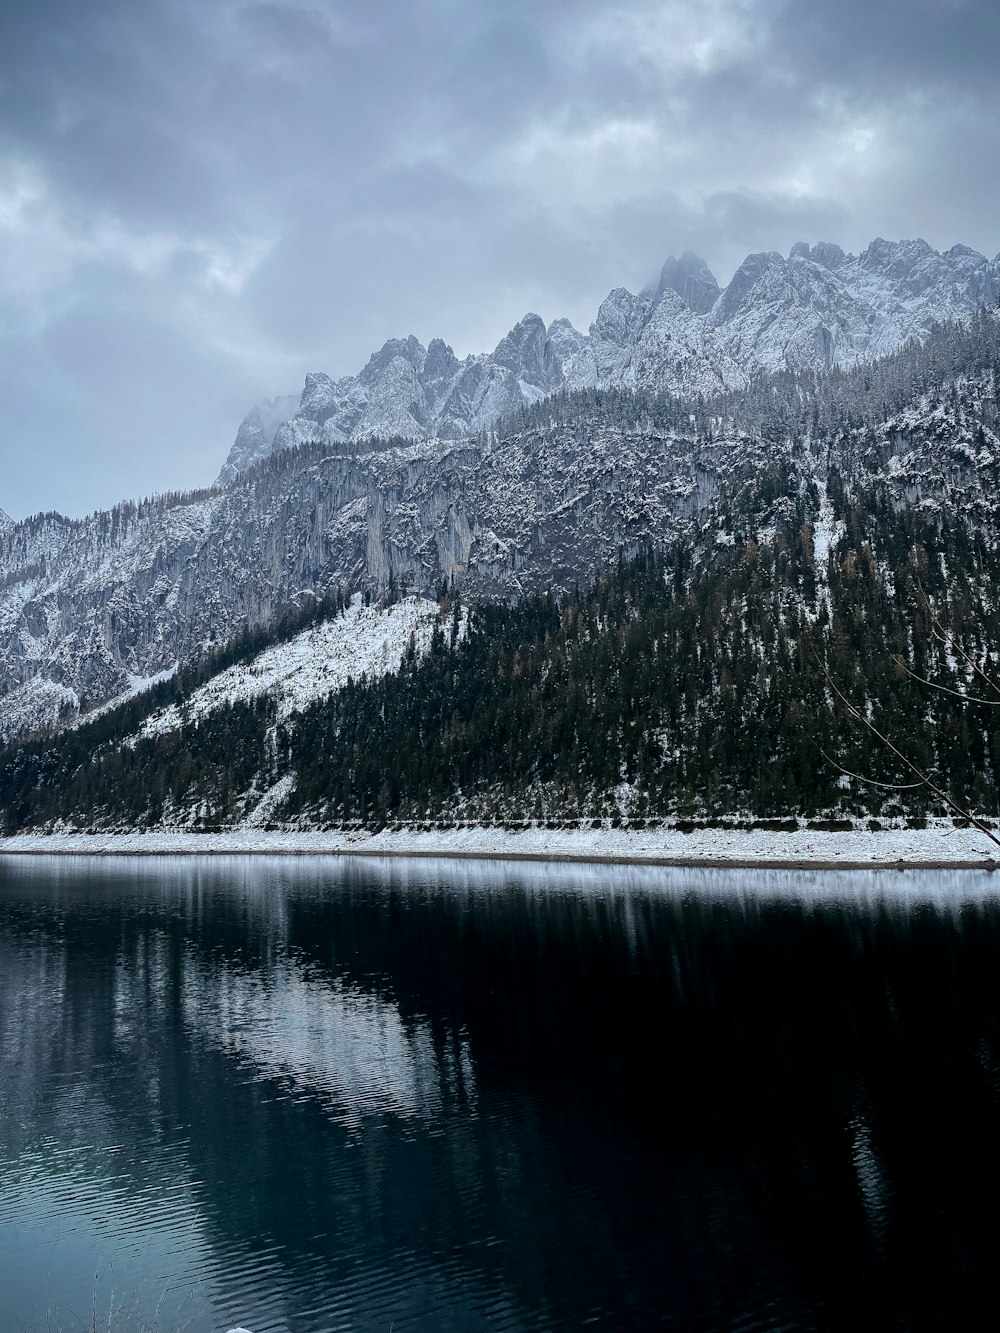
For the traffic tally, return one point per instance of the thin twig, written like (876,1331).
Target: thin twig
(945,689)
(925,780)
(948,639)
(872,782)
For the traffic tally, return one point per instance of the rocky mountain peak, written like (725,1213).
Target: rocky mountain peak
(527,353)
(815,309)
(255,437)
(408,349)
(824,253)
(621,316)
(692,280)
(882,254)
(911,267)
(743,282)
(565,340)
(440,363)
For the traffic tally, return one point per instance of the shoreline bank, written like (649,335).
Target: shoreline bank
(940,847)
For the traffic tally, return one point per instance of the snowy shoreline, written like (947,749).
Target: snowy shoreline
(940,846)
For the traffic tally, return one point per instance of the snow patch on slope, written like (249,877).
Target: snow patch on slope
(828,530)
(264,810)
(364,641)
(34,706)
(140,684)
(136,685)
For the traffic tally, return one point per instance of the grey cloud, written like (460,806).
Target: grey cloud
(114,400)
(873,45)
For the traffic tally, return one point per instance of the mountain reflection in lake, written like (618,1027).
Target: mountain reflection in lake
(305,1095)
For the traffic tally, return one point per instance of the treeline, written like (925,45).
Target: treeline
(789,405)
(91,770)
(671,688)
(284,463)
(120,517)
(675,685)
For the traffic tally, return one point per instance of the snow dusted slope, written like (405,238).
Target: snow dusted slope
(87,607)
(38,703)
(821,308)
(364,641)
(816,309)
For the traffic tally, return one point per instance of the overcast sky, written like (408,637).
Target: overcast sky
(200,201)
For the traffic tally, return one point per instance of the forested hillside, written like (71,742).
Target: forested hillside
(647,609)
(681,684)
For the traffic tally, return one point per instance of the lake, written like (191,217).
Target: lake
(303,1095)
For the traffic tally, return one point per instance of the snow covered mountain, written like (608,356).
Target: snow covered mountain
(399,487)
(681,334)
(94,610)
(256,434)
(821,308)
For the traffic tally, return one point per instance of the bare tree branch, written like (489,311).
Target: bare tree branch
(924,779)
(949,640)
(945,689)
(871,782)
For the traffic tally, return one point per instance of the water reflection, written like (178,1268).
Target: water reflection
(349,1049)
(458,1096)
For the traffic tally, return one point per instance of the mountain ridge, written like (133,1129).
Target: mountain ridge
(816,309)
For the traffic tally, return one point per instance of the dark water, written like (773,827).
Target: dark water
(420,1096)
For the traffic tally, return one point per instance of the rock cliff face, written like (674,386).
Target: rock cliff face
(93,609)
(817,309)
